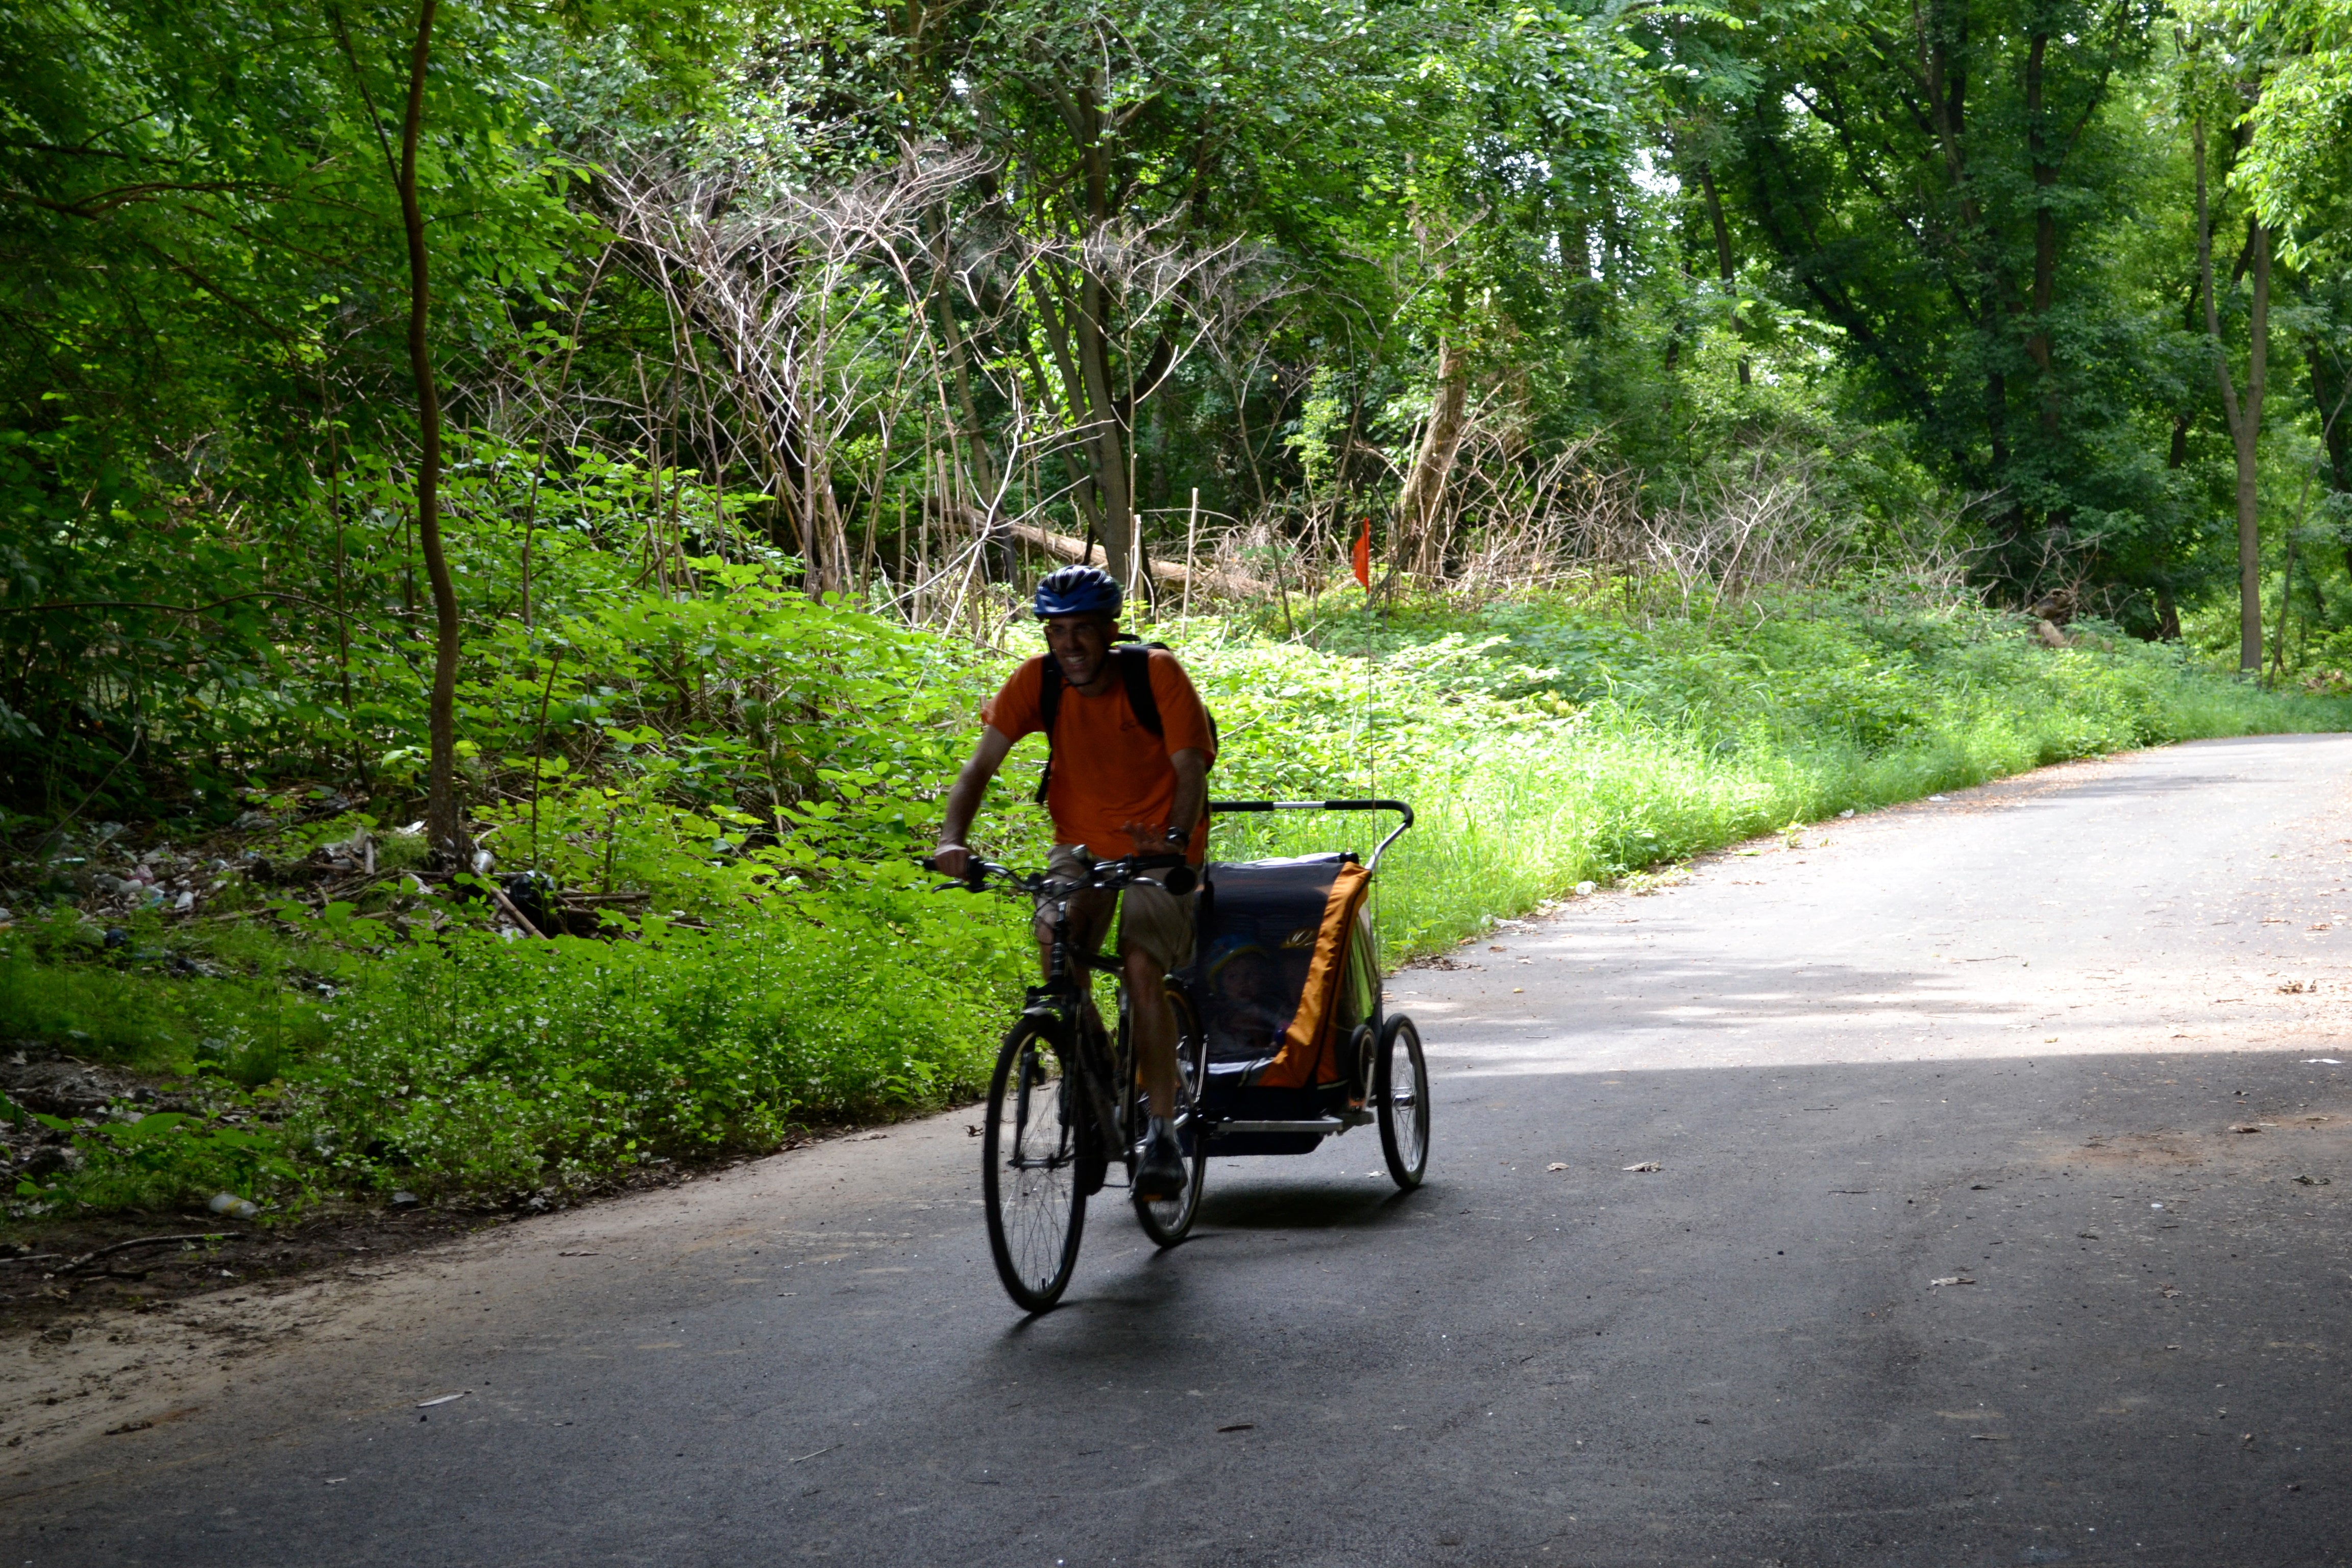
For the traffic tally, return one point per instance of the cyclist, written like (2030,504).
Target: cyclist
(1110,778)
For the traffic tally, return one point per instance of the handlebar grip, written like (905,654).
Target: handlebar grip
(1178,876)
(974,875)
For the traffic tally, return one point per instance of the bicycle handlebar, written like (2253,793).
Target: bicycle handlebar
(1180,877)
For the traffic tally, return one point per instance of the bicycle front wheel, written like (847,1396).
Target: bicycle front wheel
(1029,1169)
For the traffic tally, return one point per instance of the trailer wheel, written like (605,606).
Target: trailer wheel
(1401,1089)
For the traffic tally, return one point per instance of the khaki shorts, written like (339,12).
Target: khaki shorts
(1150,918)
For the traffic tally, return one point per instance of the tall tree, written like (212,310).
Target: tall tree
(1927,176)
(2244,416)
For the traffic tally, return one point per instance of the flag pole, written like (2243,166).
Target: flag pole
(1363,565)
(1192,540)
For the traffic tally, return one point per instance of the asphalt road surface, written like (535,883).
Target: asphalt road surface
(2004,1039)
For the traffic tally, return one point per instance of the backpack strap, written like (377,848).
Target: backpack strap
(1134,662)
(1049,709)
(1135,668)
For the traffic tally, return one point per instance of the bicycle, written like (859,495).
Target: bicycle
(1063,1095)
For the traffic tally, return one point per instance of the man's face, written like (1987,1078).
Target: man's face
(1080,645)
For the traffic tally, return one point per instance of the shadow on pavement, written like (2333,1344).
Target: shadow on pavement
(1315,1203)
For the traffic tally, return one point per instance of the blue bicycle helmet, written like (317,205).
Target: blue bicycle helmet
(1078,591)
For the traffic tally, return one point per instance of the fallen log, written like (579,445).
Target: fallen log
(1201,580)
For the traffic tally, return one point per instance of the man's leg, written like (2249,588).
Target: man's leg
(1159,1175)
(1155,935)
(1090,912)
(1155,1028)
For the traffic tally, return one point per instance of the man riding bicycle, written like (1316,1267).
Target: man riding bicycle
(1112,777)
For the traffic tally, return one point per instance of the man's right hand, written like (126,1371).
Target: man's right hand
(950,859)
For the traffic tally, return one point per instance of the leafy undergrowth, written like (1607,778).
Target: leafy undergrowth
(1544,744)
(461,1064)
(357,1032)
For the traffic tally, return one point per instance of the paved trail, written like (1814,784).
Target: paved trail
(2003,1038)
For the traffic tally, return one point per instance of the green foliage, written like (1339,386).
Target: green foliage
(1548,741)
(1221,252)
(1544,741)
(56,983)
(469,1063)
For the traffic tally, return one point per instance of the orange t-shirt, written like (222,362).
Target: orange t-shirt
(1109,770)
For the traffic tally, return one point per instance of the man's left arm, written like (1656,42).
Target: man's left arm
(1174,837)
(1191,796)
(1189,738)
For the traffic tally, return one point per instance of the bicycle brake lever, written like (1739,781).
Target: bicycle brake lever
(1176,872)
(974,879)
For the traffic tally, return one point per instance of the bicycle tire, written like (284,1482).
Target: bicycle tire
(1036,1218)
(1403,1100)
(1167,1223)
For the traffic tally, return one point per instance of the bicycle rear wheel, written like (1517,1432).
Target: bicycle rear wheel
(1166,1223)
(1029,1169)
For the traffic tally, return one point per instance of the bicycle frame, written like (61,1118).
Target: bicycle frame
(1101,1066)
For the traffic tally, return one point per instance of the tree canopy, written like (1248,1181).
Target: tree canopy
(882,299)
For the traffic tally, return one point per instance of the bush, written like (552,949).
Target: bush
(468,1063)
(802,973)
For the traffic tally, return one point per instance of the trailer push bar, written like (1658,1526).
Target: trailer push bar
(1372,865)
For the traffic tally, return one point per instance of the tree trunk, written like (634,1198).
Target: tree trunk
(1087,321)
(1421,501)
(2246,420)
(444,821)
(2331,391)
(2045,232)
(975,435)
(2245,437)
(1942,34)
(1722,244)
(1105,439)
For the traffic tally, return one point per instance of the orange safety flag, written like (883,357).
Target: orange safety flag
(1364,554)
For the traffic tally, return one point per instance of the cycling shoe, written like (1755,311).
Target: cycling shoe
(1160,1174)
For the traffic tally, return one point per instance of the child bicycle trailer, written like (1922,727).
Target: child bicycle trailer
(1287,979)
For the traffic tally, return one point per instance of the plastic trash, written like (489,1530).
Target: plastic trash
(1646,1166)
(235,1207)
(404,1200)
(1585,889)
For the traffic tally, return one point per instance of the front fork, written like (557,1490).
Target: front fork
(1085,1050)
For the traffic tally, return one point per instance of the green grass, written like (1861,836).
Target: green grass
(1543,745)
(1543,742)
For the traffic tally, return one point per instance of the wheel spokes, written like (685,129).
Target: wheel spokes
(1039,1156)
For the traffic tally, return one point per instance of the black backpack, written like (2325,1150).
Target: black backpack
(1134,662)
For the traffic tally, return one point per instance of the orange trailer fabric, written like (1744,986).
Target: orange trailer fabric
(1305,1057)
